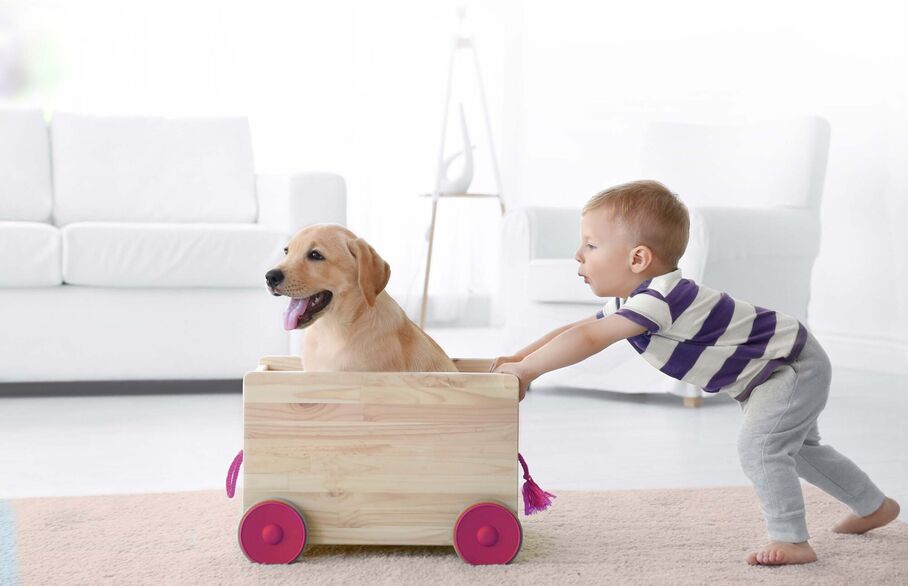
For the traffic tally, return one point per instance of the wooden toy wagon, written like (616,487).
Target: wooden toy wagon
(380,458)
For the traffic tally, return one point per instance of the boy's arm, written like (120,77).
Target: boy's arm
(524,352)
(552,335)
(578,343)
(572,346)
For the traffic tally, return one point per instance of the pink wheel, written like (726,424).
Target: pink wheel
(487,533)
(272,532)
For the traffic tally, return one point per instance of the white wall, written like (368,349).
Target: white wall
(594,74)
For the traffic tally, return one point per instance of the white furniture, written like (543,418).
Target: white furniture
(754,194)
(459,186)
(136,248)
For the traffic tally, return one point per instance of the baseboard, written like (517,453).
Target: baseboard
(863,353)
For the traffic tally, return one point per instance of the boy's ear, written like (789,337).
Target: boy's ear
(641,258)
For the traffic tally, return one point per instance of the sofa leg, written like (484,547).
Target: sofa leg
(692,401)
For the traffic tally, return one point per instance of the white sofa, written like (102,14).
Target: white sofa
(135,248)
(754,193)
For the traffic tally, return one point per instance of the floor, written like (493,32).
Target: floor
(158,441)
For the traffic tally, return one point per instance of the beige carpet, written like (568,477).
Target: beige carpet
(696,536)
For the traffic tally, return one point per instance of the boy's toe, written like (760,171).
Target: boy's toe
(766,557)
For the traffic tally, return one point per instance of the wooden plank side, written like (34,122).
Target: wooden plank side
(281,363)
(414,448)
(300,413)
(327,413)
(394,433)
(379,387)
(405,484)
(376,447)
(402,466)
(473,364)
(275,363)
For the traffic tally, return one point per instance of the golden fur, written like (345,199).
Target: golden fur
(362,328)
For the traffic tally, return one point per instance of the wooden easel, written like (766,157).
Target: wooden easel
(461,42)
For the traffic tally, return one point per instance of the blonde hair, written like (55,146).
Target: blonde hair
(654,216)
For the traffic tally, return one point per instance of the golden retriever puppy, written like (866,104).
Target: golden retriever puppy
(336,285)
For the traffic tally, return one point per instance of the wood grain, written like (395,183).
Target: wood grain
(380,458)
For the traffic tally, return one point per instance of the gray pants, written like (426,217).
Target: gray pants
(780,441)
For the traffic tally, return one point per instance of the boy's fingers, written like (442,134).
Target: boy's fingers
(498,362)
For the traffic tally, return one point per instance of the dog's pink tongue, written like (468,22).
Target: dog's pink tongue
(294,311)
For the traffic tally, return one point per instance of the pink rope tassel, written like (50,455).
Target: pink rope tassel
(534,498)
(232,473)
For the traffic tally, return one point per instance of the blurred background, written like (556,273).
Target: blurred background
(357,88)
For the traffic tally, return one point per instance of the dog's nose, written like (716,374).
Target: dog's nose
(274,277)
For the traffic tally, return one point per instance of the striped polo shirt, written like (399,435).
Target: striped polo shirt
(707,338)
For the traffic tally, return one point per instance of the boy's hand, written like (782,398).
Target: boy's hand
(515,369)
(504,359)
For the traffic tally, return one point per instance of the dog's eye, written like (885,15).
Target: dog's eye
(286,250)
(316,255)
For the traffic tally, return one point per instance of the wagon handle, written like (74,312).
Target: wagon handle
(232,474)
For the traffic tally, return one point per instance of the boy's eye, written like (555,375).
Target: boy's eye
(590,246)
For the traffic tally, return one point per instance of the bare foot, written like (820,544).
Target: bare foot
(778,553)
(888,511)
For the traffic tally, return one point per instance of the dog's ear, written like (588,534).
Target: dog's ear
(373,272)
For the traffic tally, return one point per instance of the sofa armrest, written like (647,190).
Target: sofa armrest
(761,255)
(554,232)
(549,232)
(726,234)
(529,233)
(723,232)
(289,202)
(735,233)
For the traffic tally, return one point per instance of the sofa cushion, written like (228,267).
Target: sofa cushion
(113,254)
(25,188)
(152,169)
(555,280)
(29,255)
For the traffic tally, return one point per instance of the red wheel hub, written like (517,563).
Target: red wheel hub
(487,533)
(272,532)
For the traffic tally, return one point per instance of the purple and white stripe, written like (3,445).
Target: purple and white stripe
(706,337)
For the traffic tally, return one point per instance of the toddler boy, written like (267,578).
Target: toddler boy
(632,237)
